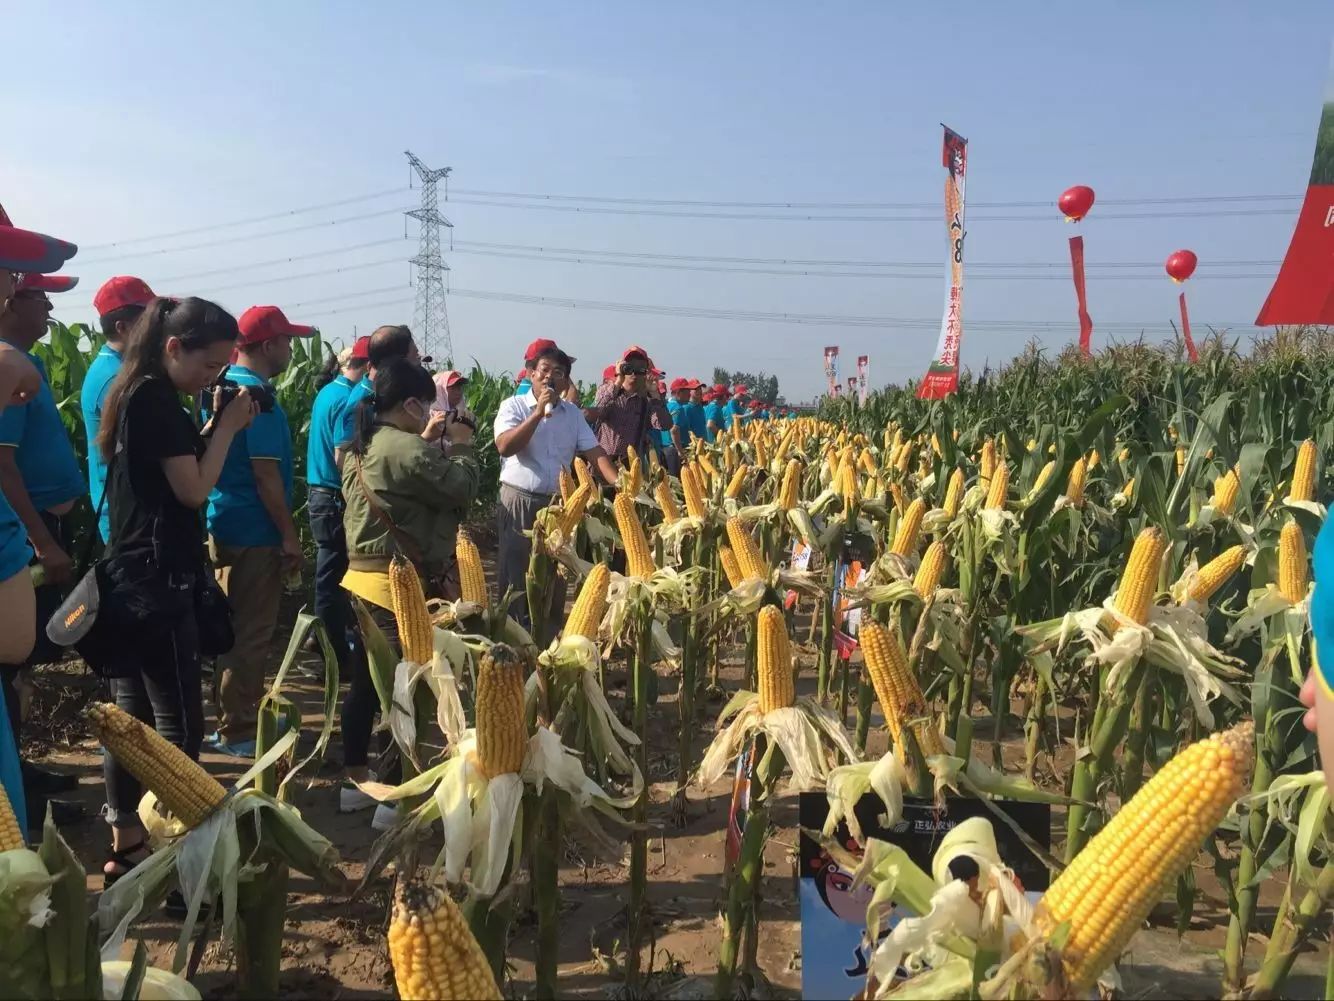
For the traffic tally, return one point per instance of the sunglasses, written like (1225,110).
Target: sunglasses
(633,370)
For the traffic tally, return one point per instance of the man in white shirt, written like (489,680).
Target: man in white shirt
(538,433)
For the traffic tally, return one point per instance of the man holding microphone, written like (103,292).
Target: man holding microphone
(538,433)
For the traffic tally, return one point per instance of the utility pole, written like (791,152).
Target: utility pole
(431,323)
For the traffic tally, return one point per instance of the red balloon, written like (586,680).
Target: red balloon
(1181,265)
(1075,202)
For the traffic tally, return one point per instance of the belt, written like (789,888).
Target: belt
(325,490)
(527,493)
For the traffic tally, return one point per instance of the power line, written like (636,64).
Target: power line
(244,238)
(1063,266)
(699,203)
(763,216)
(813,273)
(246,222)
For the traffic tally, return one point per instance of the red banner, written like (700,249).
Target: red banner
(1085,321)
(942,377)
(1304,289)
(1185,331)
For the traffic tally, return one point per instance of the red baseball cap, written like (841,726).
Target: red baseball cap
(449,378)
(46,283)
(361,349)
(609,373)
(739,390)
(263,323)
(719,389)
(24,250)
(121,291)
(679,384)
(520,375)
(755,404)
(635,349)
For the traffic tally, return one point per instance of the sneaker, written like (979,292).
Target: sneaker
(353,800)
(386,816)
(233,748)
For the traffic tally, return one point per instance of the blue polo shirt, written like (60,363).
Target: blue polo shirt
(677,410)
(1322,607)
(15,553)
(347,417)
(733,408)
(714,412)
(95,385)
(45,456)
(326,421)
(236,516)
(523,387)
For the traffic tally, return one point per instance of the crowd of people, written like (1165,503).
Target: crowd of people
(190,471)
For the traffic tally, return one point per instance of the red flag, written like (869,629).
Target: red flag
(1085,321)
(1185,331)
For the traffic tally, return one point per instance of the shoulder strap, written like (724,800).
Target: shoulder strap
(118,446)
(401,538)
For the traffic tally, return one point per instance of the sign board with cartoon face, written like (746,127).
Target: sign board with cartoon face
(833,916)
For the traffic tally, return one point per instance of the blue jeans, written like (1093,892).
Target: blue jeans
(331,604)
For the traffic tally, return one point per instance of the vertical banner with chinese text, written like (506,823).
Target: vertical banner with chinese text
(831,368)
(942,378)
(863,374)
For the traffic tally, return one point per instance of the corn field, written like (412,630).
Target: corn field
(1101,565)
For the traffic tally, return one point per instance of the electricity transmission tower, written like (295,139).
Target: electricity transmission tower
(431,323)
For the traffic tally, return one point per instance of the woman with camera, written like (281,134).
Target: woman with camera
(160,470)
(405,497)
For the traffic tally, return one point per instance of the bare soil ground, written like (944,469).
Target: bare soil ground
(335,947)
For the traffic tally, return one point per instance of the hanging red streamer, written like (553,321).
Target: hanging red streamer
(1185,331)
(1085,321)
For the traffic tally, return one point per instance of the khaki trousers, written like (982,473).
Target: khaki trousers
(252,578)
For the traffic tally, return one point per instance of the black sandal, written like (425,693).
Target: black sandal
(122,859)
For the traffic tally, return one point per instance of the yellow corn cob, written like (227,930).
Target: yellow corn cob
(472,578)
(591,605)
(653,464)
(706,463)
(730,566)
(1139,580)
(10,835)
(189,792)
(904,457)
(954,493)
(1123,455)
(761,453)
(773,653)
(1293,569)
(896,687)
(1000,481)
(1181,459)
(1031,445)
(581,471)
(1216,572)
(737,483)
(1074,483)
(433,950)
(1094,459)
(502,727)
(788,493)
(729,460)
(1129,488)
(694,493)
(747,552)
(1224,500)
(931,569)
(873,487)
(867,461)
(736,425)
(566,486)
(896,492)
(1303,474)
(634,480)
(850,492)
(785,443)
(988,462)
(1044,474)
(1123,872)
(935,446)
(663,494)
(573,511)
(910,525)
(416,636)
(638,558)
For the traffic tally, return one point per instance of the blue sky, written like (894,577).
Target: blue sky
(151,118)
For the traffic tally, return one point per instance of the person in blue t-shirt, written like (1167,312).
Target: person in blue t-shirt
(695,418)
(119,302)
(714,404)
(1317,694)
(42,481)
(384,343)
(737,407)
(324,504)
(254,538)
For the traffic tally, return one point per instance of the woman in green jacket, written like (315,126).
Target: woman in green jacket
(405,497)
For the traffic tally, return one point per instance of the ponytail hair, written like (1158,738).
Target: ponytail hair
(196,323)
(396,382)
(328,372)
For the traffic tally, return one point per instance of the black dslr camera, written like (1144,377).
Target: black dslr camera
(262,395)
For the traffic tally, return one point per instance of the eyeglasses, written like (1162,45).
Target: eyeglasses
(633,370)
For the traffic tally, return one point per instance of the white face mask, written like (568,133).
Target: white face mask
(416,409)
